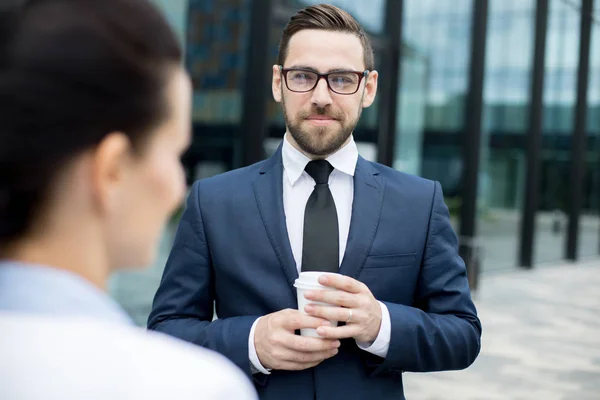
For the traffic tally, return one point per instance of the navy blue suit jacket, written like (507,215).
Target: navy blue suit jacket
(232,248)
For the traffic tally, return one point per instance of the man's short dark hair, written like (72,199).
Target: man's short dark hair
(328,18)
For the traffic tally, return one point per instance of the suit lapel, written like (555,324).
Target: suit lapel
(366,211)
(268,189)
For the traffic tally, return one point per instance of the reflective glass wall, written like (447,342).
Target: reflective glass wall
(436,46)
(508,68)
(560,90)
(430,117)
(215,57)
(411,114)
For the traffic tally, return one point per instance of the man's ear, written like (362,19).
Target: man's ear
(276,83)
(370,88)
(110,160)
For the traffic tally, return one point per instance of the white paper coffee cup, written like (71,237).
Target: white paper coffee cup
(310,281)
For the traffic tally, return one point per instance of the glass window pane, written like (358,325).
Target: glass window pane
(435,67)
(560,88)
(215,57)
(506,106)
(217,43)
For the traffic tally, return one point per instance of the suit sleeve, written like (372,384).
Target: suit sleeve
(183,304)
(441,331)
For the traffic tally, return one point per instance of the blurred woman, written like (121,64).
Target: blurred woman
(94,116)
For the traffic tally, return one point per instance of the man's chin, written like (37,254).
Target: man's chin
(320,148)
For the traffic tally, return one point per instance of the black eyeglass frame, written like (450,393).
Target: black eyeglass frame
(361,75)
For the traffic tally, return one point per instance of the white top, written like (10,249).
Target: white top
(50,358)
(297,188)
(62,338)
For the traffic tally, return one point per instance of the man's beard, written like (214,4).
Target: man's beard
(323,140)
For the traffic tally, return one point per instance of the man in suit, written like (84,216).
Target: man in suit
(402,292)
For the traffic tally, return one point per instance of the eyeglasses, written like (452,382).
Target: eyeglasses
(305,80)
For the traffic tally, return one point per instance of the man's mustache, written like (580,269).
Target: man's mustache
(323,111)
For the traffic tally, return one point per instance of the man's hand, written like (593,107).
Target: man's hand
(356,306)
(278,347)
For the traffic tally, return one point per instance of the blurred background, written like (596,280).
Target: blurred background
(464,99)
(499,100)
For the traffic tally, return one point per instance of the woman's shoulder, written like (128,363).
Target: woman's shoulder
(109,356)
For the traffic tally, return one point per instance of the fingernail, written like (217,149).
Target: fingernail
(309,308)
(336,344)
(325,323)
(334,352)
(320,330)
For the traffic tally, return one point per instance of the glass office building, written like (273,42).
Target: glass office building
(534,192)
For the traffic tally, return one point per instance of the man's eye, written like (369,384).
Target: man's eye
(302,76)
(342,80)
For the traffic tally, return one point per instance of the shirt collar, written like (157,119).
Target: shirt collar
(294,161)
(35,289)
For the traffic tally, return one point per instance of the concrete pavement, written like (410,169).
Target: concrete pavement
(541,339)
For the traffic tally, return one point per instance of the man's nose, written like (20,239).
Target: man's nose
(321,96)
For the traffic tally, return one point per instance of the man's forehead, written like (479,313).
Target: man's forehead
(325,50)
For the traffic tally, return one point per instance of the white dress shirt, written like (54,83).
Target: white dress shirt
(297,188)
(62,338)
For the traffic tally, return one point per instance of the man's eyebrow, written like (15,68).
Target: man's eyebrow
(308,68)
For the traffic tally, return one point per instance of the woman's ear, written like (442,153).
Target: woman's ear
(110,160)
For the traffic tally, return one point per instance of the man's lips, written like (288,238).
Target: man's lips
(320,118)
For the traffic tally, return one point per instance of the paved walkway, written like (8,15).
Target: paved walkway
(541,340)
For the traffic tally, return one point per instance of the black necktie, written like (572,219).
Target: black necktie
(320,246)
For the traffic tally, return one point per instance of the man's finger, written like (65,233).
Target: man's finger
(333,313)
(310,344)
(336,297)
(340,332)
(341,282)
(300,320)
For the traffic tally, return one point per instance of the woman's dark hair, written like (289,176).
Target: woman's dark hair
(72,72)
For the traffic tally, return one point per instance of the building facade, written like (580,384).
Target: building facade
(526,195)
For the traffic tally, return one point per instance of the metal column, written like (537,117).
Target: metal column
(534,137)
(578,150)
(472,144)
(390,81)
(257,86)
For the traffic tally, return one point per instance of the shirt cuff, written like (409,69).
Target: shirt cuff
(382,343)
(255,364)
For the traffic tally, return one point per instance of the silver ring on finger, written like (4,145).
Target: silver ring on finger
(349,316)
